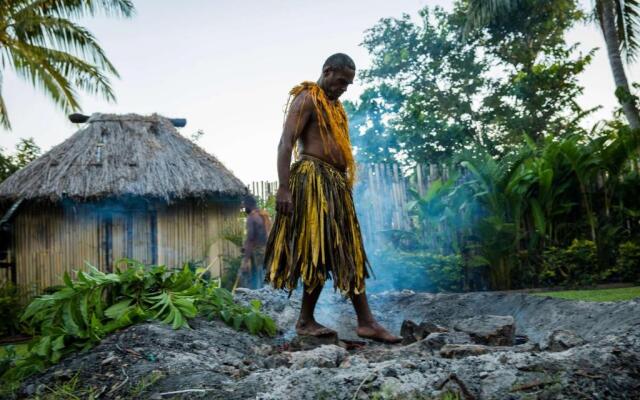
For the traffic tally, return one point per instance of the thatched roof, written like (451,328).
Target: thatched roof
(123,155)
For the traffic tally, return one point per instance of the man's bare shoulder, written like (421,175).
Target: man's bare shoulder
(255,217)
(302,102)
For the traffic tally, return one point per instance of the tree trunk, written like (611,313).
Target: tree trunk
(609,31)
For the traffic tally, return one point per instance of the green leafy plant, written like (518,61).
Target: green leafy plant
(81,313)
(575,265)
(8,359)
(10,309)
(627,266)
(219,303)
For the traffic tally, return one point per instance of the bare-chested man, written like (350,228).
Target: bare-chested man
(316,235)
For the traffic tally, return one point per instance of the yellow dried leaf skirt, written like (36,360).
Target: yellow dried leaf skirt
(321,240)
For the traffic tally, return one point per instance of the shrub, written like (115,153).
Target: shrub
(628,262)
(10,309)
(85,310)
(8,359)
(575,265)
(422,271)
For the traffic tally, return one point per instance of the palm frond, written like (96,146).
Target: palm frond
(483,12)
(58,73)
(64,35)
(628,27)
(32,65)
(42,43)
(4,114)
(77,8)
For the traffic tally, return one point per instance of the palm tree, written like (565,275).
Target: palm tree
(620,24)
(41,43)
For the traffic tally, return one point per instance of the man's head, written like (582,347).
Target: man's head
(337,74)
(249,203)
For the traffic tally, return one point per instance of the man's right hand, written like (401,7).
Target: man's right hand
(284,202)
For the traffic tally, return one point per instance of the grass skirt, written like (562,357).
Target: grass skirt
(321,240)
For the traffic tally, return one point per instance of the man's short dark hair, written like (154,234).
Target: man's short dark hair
(339,61)
(250,202)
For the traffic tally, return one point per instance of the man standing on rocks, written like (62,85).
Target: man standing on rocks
(316,234)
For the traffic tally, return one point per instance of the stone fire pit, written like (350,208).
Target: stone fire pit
(478,345)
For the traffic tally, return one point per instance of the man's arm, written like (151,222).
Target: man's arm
(295,123)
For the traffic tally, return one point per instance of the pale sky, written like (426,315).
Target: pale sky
(227,66)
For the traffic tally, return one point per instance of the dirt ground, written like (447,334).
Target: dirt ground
(600,360)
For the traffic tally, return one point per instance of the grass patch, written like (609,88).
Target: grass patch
(618,294)
(67,391)
(145,383)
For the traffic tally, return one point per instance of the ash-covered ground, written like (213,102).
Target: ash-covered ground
(478,345)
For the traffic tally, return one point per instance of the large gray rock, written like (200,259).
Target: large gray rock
(436,340)
(326,356)
(561,340)
(412,332)
(490,330)
(463,350)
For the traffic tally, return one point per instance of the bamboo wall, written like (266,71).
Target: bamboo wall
(49,240)
(5,275)
(193,232)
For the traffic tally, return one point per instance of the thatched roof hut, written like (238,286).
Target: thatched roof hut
(123,155)
(123,186)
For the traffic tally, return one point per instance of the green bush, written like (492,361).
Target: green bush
(85,310)
(628,262)
(424,271)
(627,266)
(8,359)
(10,309)
(576,265)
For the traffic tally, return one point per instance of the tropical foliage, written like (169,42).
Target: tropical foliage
(26,151)
(531,196)
(619,21)
(81,313)
(42,43)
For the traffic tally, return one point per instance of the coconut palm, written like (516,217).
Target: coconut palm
(42,44)
(620,24)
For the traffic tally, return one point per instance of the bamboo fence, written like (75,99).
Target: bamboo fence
(381,194)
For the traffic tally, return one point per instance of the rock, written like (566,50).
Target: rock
(327,356)
(30,389)
(561,340)
(353,361)
(490,330)
(436,340)
(463,350)
(407,331)
(263,350)
(235,365)
(311,342)
(521,339)
(276,361)
(412,332)
(63,373)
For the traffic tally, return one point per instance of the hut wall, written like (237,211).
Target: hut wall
(49,240)
(193,231)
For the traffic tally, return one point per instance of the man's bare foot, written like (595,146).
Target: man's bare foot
(312,328)
(377,332)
